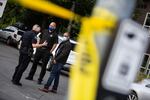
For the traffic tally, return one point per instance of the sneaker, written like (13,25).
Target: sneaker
(54,91)
(44,90)
(28,78)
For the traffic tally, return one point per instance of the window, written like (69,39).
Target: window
(147,22)
(144,63)
(149,66)
(147,72)
(142,70)
(20,33)
(8,30)
(142,6)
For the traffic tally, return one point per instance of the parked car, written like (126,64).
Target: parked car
(71,57)
(11,35)
(140,91)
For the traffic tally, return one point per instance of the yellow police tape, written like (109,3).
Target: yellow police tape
(49,8)
(85,73)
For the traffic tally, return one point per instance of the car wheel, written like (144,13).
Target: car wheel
(8,42)
(132,96)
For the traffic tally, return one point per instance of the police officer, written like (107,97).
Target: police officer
(45,52)
(28,42)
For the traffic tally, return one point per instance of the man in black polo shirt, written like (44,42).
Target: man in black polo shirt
(44,52)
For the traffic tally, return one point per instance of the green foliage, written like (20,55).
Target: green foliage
(15,13)
(140,77)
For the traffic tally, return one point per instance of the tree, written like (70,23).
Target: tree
(9,17)
(15,13)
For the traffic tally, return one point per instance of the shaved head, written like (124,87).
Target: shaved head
(53,24)
(36,28)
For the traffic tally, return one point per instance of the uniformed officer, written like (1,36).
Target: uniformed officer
(44,52)
(28,42)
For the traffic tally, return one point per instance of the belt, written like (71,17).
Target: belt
(44,48)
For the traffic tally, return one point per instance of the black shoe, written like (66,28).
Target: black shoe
(17,83)
(44,90)
(39,82)
(54,91)
(28,78)
(12,80)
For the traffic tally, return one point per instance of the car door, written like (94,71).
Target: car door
(5,33)
(72,56)
(19,35)
(1,33)
(14,32)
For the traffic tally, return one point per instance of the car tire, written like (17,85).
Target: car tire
(132,96)
(8,41)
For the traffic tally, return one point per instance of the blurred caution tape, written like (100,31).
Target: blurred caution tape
(49,8)
(85,72)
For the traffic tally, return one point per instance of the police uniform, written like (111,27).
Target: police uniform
(25,51)
(43,53)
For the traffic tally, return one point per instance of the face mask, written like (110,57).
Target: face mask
(64,39)
(51,28)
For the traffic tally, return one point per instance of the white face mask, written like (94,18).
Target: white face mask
(64,39)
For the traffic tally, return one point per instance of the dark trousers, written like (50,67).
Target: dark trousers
(54,76)
(24,60)
(45,56)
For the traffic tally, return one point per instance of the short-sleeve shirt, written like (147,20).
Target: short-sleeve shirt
(27,39)
(50,38)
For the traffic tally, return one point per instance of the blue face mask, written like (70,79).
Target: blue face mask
(51,28)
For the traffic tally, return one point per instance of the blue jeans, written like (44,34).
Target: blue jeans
(54,75)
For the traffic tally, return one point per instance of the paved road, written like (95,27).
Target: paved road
(29,90)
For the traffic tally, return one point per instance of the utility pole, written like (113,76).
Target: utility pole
(70,21)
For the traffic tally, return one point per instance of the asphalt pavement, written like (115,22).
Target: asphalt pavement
(29,90)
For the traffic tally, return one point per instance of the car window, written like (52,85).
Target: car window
(20,32)
(9,30)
